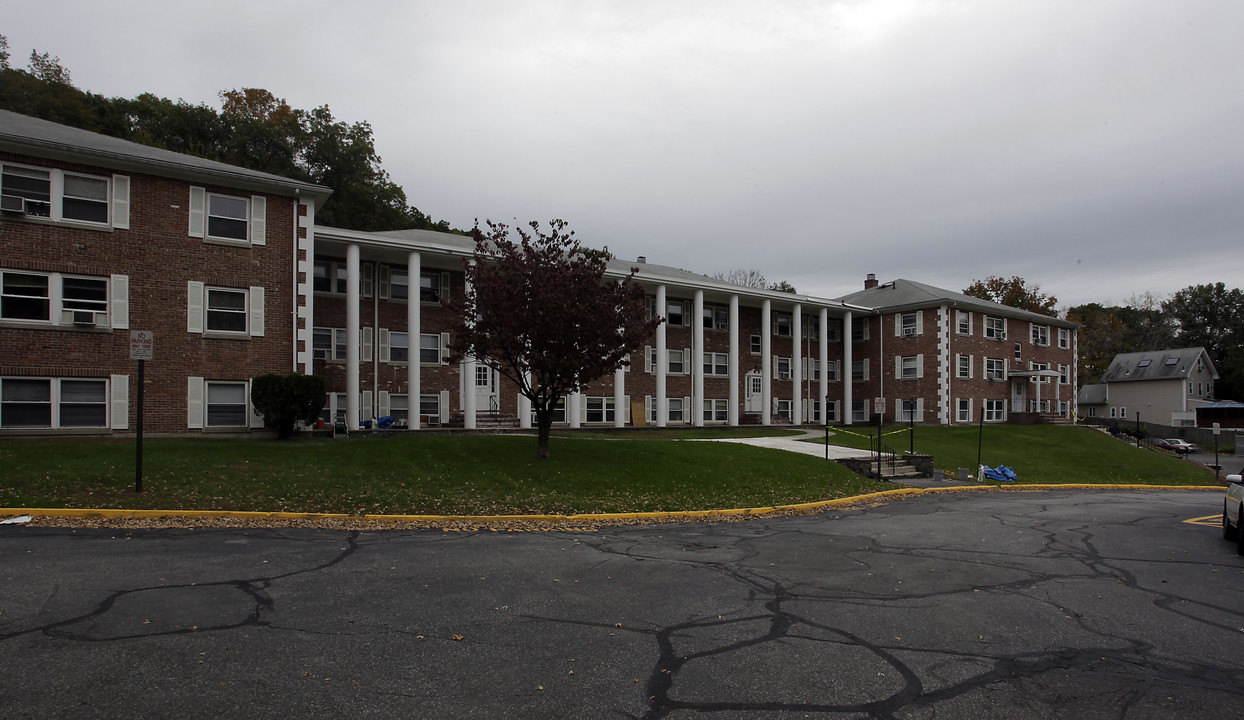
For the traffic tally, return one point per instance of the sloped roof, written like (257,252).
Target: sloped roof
(1092,395)
(904,294)
(1156,365)
(26,135)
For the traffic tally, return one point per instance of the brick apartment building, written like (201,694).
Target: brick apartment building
(227,268)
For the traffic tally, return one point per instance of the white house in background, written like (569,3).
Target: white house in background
(1160,386)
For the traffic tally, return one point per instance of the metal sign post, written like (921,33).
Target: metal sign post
(142,345)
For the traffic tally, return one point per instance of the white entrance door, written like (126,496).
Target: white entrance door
(486,381)
(1019,395)
(754,400)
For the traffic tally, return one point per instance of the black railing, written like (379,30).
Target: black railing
(883,453)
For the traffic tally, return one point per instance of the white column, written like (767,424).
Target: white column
(524,406)
(574,402)
(824,388)
(352,337)
(847,371)
(766,363)
(662,363)
(468,393)
(796,361)
(734,360)
(468,369)
(413,268)
(619,398)
(697,360)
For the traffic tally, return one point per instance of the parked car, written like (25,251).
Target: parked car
(1183,447)
(1233,512)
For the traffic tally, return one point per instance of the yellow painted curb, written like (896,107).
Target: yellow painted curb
(581,517)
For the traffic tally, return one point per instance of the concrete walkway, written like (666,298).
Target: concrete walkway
(795,443)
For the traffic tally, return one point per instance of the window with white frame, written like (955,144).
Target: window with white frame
(782,324)
(677,363)
(227,217)
(908,324)
(859,411)
(909,367)
(328,276)
(831,371)
(811,327)
(1064,338)
(859,370)
(812,369)
(675,312)
(995,369)
(399,284)
(716,364)
(53,403)
(599,410)
(995,410)
(226,310)
(677,412)
(964,367)
(716,318)
(1122,412)
(328,344)
(226,404)
(782,368)
(716,411)
(963,322)
(1036,366)
(399,347)
(964,410)
(995,328)
(432,286)
(831,411)
(1114,412)
(859,329)
(1064,374)
(431,349)
(1040,335)
(1019,352)
(62,195)
(755,344)
(430,409)
(56,298)
(1064,408)
(785,409)
(909,411)
(399,407)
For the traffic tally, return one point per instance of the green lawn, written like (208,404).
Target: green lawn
(423,474)
(1039,453)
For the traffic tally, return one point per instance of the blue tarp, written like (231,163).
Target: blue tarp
(1002,473)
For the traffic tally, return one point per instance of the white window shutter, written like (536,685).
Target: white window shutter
(198,212)
(919,365)
(259,220)
(383,337)
(383,397)
(256,311)
(385,278)
(971,367)
(868,408)
(365,343)
(368,279)
(194,307)
(648,416)
(898,367)
(119,391)
(119,303)
(121,202)
(365,412)
(626,407)
(445,286)
(919,322)
(444,350)
(194,403)
(920,409)
(648,358)
(256,417)
(442,406)
(898,324)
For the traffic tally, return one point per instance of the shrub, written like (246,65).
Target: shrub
(286,399)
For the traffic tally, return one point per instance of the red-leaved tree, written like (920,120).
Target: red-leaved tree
(542,312)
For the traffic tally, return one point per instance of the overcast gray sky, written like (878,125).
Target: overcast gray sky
(1091,146)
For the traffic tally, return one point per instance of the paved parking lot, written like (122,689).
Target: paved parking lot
(1007,604)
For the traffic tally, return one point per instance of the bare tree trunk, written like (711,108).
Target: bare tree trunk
(544,423)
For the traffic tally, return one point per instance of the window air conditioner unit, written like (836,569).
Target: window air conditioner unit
(12,203)
(83,318)
(909,332)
